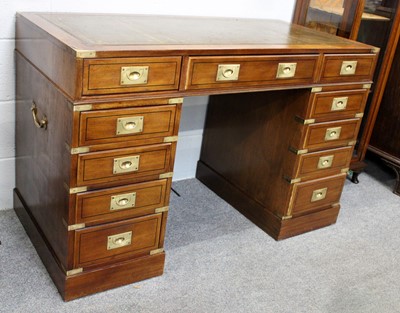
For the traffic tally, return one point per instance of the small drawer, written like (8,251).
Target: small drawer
(328,162)
(219,72)
(112,204)
(117,241)
(109,126)
(122,75)
(123,164)
(331,134)
(342,68)
(338,104)
(316,194)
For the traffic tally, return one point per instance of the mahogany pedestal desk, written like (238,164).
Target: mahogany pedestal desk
(98,107)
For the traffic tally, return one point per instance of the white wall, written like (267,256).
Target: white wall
(193,109)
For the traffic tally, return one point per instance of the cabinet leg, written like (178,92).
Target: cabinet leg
(396,168)
(354,177)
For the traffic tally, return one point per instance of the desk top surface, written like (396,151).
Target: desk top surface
(112,32)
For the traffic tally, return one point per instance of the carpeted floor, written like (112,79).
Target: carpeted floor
(217,261)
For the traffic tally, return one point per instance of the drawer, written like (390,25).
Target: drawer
(219,72)
(120,203)
(328,162)
(338,104)
(331,134)
(117,241)
(122,75)
(109,126)
(123,164)
(316,194)
(342,68)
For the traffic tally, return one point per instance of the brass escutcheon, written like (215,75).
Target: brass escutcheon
(319,194)
(119,240)
(129,125)
(126,164)
(286,70)
(123,201)
(333,133)
(348,68)
(134,75)
(228,72)
(325,161)
(339,103)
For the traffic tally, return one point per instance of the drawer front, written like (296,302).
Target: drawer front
(331,134)
(123,164)
(342,68)
(219,72)
(328,162)
(122,202)
(109,126)
(116,241)
(122,75)
(338,104)
(316,194)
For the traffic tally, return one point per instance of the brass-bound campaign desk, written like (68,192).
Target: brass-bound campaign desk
(98,106)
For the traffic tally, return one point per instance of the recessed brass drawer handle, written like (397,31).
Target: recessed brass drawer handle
(119,240)
(134,75)
(333,133)
(319,194)
(228,72)
(339,103)
(129,125)
(325,161)
(348,68)
(286,70)
(123,201)
(39,123)
(127,164)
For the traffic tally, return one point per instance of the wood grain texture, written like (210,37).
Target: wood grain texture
(103,76)
(93,207)
(91,243)
(42,161)
(250,139)
(100,126)
(97,167)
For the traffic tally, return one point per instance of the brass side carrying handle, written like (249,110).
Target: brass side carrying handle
(39,123)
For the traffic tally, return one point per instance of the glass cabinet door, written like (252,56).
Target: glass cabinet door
(336,17)
(374,22)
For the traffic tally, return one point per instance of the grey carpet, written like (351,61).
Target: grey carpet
(217,261)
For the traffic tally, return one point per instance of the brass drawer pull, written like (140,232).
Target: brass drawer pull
(134,75)
(319,194)
(39,123)
(325,161)
(286,70)
(127,164)
(119,240)
(339,103)
(123,201)
(333,133)
(348,68)
(228,72)
(129,125)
